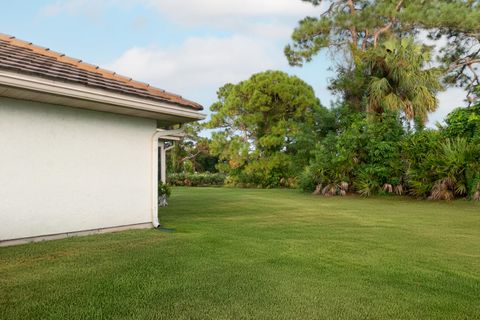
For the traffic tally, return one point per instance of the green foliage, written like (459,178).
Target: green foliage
(391,77)
(417,153)
(271,131)
(274,171)
(457,23)
(191,154)
(399,80)
(446,167)
(464,122)
(382,74)
(345,27)
(266,126)
(363,157)
(445,164)
(164,189)
(196,179)
(355,27)
(378,156)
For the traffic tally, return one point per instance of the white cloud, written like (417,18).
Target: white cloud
(200,63)
(272,31)
(88,8)
(272,20)
(227,13)
(219,13)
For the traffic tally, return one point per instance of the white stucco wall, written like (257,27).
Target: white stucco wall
(65,169)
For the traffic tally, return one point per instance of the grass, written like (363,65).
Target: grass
(263,254)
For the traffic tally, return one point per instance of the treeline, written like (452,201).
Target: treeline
(332,151)
(383,155)
(271,131)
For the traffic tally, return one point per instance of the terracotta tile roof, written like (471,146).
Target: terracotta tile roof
(25,57)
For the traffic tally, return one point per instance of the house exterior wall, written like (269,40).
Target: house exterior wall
(64,169)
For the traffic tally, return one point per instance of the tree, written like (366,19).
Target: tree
(354,27)
(391,77)
(457,23)
(363,157)
(191,154)
(347,25)
(464,122)
(399,79)
(266,128)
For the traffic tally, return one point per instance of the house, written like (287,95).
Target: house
(78,145)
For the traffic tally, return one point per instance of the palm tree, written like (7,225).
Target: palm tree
(399,79)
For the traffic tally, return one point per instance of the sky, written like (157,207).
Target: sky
(190,47)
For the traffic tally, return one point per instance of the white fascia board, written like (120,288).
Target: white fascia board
(172,132)
(170,138)
(171,135)
(16,80)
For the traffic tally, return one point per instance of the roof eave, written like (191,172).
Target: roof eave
(27,87)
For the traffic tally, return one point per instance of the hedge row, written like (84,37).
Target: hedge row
(196,179)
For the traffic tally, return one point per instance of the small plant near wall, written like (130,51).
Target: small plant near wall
(164,192)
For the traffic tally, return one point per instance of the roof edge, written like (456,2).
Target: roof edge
(174,98)
(79,92)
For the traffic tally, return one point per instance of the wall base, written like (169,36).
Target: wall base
(13,242)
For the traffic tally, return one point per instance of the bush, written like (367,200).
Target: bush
(272,172)
(441,168)
(364,157)
(380,158)
(164,190)
(204,179)
(308,180)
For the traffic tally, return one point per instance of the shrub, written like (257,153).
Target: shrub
(365,157)
(196,179)
(308,180)
(164,189)
(441,168)
(164,192)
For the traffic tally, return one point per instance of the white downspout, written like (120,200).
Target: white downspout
(163,162)
(154,178)
(154,174)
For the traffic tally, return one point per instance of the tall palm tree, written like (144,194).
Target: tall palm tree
(399,79)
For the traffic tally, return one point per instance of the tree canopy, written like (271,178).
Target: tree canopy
(192,153)
(265,126)
(355,26)
(398,79)
(464,122)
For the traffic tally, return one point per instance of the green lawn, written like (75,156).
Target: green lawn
(263,254)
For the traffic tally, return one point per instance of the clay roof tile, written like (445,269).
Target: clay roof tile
(23,56)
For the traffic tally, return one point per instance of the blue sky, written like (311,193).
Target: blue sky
(190,47)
